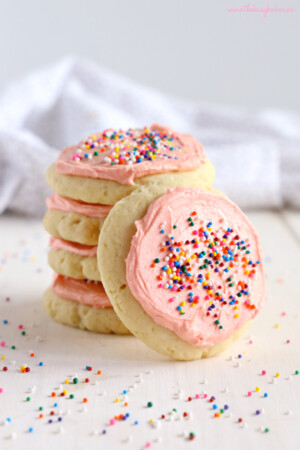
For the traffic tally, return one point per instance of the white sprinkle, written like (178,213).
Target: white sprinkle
(13,435)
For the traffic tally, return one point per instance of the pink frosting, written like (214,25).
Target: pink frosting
(123,156)
(56,201)
(73,247)
(89,293)
(222,289)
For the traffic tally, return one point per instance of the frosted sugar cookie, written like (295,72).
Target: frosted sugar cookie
(73,260)
(107,166)
(73,220)
(182,268)
(82,305)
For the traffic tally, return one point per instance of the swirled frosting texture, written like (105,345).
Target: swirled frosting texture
(89,293)
(123,156)
(195,266)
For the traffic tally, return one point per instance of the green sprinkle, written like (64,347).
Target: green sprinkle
(217,322)
(23,333)
(28,399)
(75,380)
(175,226)
(41,408)
(190,219)
(149,404)
(296,372)
(267,430)
(13,347)
(157,260)
(231,284)
(174,409)
(221,327)
(71,395)
(221,411)
(96,153)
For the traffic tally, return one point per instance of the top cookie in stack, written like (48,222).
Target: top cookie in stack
(105,167)
(87,179)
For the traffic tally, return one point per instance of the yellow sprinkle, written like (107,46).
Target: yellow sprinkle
(66,381)
(193,304)
(65,392)
(150,420)
(194,256)
(236,307)
(257,389)
(209,229)
(209,292)
(277,375)
(247,272)
(169,270)
(23,367)
(188,259)
(277,325)
(236,316)
(117,400)
(2,357)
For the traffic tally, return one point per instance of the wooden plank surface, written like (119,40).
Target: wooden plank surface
(127,364)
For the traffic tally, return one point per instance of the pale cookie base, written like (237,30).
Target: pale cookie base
(73,227)
(114,245)
(73,265)
(109,192)
(80,316)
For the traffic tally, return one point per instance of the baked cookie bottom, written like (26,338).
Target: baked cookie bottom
(71,313)
(73,227)
(113,248)
(74,265)
(107,192)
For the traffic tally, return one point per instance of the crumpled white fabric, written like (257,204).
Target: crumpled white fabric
(256,154)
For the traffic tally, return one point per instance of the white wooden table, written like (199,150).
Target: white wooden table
(127,364)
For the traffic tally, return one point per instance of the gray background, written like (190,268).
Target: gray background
(194,49)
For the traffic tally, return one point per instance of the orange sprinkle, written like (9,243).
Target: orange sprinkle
(99,372)
(53,394)
(85,400)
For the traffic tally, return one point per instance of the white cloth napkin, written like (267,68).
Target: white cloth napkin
(256,155)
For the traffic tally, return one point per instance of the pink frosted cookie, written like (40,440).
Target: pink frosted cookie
(82,304)
(73,260)
(107,166)
(74,220)
(184,271)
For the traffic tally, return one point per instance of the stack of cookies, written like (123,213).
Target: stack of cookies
(87,180)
